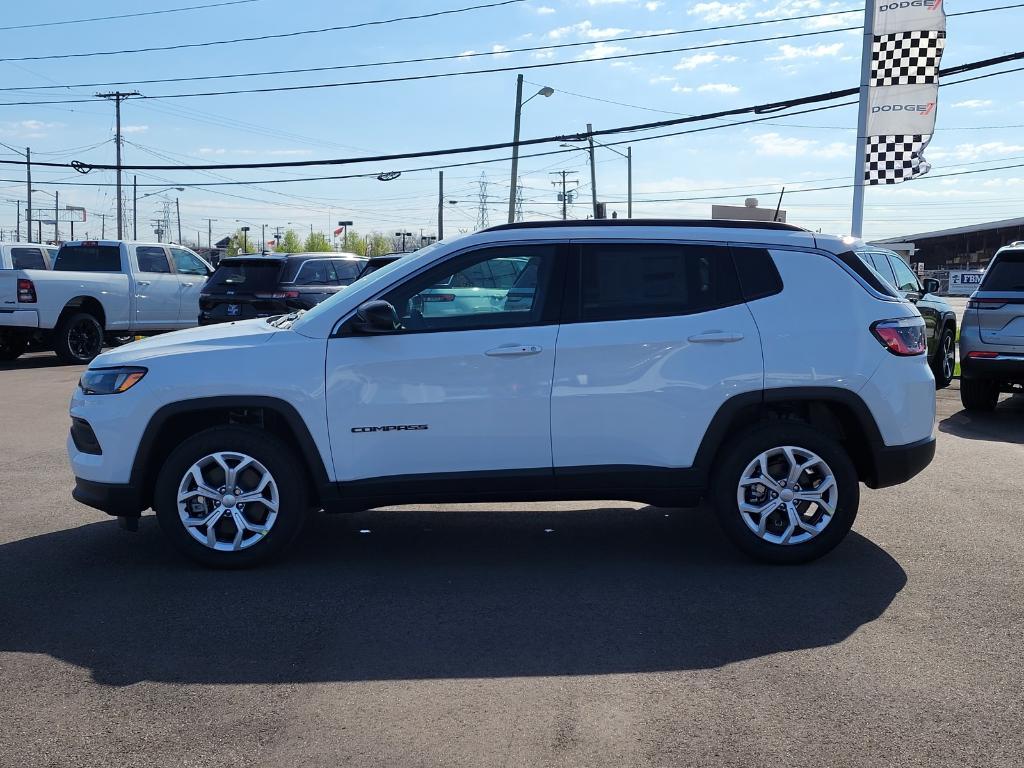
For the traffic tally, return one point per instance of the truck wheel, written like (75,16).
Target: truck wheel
(11,347)
(944,364)
(118,339)
(785,493)
(78,338)
(231,497)
(979,394)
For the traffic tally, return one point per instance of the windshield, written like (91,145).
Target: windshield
(245,275)
(1006,273)
(381,275)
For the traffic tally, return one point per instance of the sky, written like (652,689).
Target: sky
(980,125)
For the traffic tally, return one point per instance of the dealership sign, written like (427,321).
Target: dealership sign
(965,282)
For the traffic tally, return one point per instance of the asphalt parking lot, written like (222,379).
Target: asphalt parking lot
(602,634)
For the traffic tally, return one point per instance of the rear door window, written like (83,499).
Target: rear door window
(152,259)
(317,272)
(28,258)
(245,276)
(623,281)
(88,258)
(1006,273)
(347,270)
(187,263)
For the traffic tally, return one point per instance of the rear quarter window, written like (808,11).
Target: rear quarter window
(1006,273)
(88,258)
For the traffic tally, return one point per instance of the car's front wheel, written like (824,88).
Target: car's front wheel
(944,364)
(231,497)
(785,493)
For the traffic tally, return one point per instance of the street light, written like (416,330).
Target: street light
(345,225)
(403,235)
(546,91)
(628,154)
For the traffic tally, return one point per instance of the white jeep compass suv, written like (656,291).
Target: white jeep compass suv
(758,364)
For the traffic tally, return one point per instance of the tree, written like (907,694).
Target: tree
(378,244)
(290,243)
(317,241)
(240,239)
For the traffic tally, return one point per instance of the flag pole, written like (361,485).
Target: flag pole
(857,225)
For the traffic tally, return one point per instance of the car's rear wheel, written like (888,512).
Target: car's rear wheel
(78,338)
(231,497)
(11,347)
(785,493)
(944,364)
(979,394)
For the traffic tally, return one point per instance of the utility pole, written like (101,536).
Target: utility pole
(519,200)
(515,150)
(17,231)
(177,210)
(440,205)
(209,233)
(56,217)
(28,182)
(629,182)
(263,242)
(482,221)
(593,172)
(135,207)
(565,192)
(103,226)
(118,97)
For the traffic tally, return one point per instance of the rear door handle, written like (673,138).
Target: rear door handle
(187,285)
(513,350)
(143,283)
(715,337)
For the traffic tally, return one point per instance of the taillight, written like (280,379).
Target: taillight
(439,297)
(26,291)
(903,337)
(982,355)
(985,303)
(278,295)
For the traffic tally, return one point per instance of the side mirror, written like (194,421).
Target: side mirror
(931,285)
(375,317)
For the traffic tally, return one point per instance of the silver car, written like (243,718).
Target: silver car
(992,335)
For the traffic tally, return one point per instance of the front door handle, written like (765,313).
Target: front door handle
(716,337)
(187,285)
(513,350)
(143,283)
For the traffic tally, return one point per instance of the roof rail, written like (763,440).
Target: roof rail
(716,223)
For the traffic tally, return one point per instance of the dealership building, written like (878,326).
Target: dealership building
(970,247)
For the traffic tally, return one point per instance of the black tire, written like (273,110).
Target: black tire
(979,394)
(944,364)
(734,458)
(266,449)
(118,340)
(78,338)
(12,347)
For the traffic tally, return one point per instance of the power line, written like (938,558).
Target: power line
(458,56)
(275,36)
(126,15)
(769,108)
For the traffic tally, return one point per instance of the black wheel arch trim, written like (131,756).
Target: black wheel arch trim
(311,456)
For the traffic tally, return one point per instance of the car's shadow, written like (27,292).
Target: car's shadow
(32,362)
(410,594)
(1003,425)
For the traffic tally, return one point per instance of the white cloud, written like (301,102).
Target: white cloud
(973,104)
(699,59)
(134,128)
(661,79)
(718,88)
(791,52)
(29,129)
(681,89)
(962,153)
(544,10)
(602,51)
(499,50)
(653,5)
(718,11)
(584,29)
(470,52)
(776,145)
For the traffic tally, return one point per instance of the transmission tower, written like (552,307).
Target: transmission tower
(519,199)
(482,221)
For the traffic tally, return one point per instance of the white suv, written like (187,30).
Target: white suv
(761,365)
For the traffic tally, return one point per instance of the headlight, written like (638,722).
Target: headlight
(110,381)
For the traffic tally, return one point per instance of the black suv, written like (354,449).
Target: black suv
(245,287)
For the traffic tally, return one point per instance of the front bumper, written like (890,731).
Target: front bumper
(897,464)
(112,498)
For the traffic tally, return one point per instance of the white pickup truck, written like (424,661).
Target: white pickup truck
(99,289)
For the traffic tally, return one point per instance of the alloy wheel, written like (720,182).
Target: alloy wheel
(228,501)
(85,339)
(948,353)
(787,495)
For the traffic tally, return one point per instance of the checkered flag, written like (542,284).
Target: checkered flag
(907,58)
(892,159)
